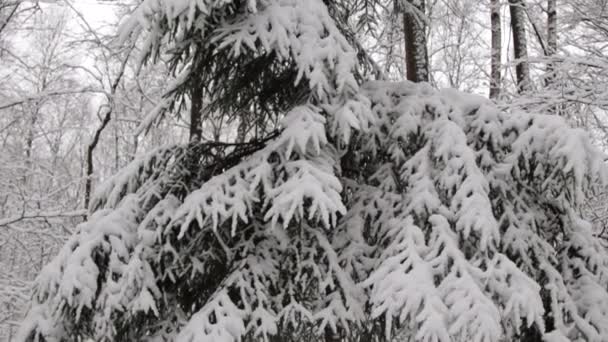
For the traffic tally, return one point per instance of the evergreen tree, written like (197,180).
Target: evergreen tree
(355,210)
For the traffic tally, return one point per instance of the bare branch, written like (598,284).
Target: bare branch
(41,215)
(48,94)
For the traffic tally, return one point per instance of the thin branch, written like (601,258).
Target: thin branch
(47,94)
(10,15)
(539,36)
(41,215)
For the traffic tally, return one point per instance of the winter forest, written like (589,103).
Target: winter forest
(304,170)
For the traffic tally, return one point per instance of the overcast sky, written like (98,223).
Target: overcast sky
(97,13)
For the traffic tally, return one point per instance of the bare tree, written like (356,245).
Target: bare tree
(40,132)
(108,84)
(11,9)
(107,116)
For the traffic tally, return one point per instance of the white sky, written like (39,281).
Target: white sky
(97,13)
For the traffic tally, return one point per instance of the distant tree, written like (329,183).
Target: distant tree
(454,42)
(52,83)
(520,45)
(42,110)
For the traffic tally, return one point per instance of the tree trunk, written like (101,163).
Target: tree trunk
(241,134)
(551,38)
(414,31)
(29,143)
(520,45)
(551,27)
(88,185)
(331,336)
(496,49)
(196,107)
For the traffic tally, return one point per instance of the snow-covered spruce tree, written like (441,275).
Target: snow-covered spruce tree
(376,210)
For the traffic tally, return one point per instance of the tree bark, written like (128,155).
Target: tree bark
(88,185)
(551,27)
(196,107)
(520,44)
(414,31)
(551,38)
(495,79)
